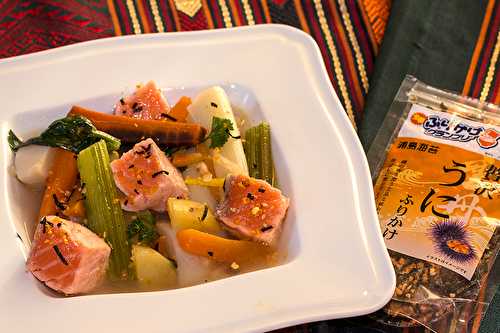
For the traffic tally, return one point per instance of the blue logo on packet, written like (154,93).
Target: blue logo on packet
(442,128)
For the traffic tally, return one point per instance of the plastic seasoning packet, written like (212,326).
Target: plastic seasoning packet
(438,199)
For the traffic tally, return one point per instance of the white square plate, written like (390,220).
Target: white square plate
(337,263)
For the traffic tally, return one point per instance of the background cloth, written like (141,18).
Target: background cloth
(453,44)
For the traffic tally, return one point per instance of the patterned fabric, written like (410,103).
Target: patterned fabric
(342,29)
(29,26)
(483,77)
(348,35)
(348,32)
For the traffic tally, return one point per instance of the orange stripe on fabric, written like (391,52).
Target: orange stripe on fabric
(234,11)
(368,25)
(349,57)
(479,47)
(142,16)
(175,15)
(206,10)
(301,16)
(266,10)
(378,14)
(114,18)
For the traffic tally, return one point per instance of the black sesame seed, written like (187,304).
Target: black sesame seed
(58,204)
(44,223)
(59,254)
(205,213)
(156,174)
(169,117)
(264,229)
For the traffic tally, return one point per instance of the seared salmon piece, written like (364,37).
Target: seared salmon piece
(68,257)
(146,176)
(252,209)
(147,102)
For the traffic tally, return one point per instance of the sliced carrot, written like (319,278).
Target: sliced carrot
(220,249)
(129,129)
(180,110)
(180,159)
(60,182)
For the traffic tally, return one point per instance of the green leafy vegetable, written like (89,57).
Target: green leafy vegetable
(220,133)
(13,141)
(143,228)
(73,133)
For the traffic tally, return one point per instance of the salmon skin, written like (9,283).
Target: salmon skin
(68,257)
(146,176)
(252,209)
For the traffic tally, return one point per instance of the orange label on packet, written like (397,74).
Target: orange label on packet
(438,191)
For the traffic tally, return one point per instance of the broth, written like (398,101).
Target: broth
(211,270)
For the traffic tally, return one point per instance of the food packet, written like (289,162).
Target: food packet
(438,199)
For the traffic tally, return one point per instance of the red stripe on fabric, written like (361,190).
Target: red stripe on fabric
(164,13)
(366,49)
(239,11)
(487,54)
(344,54)
(257,14)
(216,14)
(125,18)
(149,17)
(313,22)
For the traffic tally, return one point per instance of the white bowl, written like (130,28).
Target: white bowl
(337,263)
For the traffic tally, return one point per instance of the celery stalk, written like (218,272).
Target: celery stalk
(259,154)
(104,213)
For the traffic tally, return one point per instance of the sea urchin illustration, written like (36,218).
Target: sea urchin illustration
(452,240)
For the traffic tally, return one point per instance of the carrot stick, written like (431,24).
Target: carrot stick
(180,112)
(128,129)
(60,182)
(218,248)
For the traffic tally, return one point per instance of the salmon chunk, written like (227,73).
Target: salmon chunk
(252,209)
(147,102)
(146,176)
(68,257)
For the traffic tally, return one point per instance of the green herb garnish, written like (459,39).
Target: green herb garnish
(220,133)
(73,133)
(142,229)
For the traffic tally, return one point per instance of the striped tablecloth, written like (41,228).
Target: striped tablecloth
(348,32)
